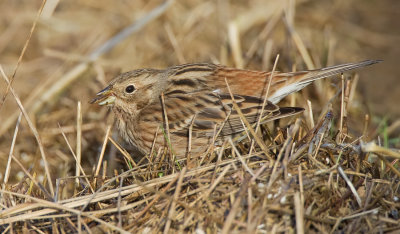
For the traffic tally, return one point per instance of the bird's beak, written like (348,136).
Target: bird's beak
(104,97)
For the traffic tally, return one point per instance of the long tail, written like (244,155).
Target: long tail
(296,81)
(334,70)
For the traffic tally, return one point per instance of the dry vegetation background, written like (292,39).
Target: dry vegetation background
(309,191)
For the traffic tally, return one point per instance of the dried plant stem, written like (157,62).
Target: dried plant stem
(342,111)
(352,188)
(75,72)
(173,202)
(188,159)
(175,44)
(123,151)
(288,140)
(372,147)
(311,115)
(168,136)
(103,149)
(227,192)
(32,178)
(299,212)
(234,41)
(78,164)
(212,186)
(267,54)
(389,165)
(78,142)
(34,131)
(58,206)
(49,8)
(265,99)
(249,127)
(157,197)
(22,53)
(300,45)
(271,23)
(241,158)
(8,167)
(271,76)
(301,184)
(235,206)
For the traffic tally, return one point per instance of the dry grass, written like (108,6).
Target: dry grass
(64,170)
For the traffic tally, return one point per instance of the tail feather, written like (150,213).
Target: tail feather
(299,80)
(334,70)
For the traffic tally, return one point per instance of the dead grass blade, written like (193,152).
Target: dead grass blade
(247,124)
(76,71)
(8,167)
(34,131)
(22,53)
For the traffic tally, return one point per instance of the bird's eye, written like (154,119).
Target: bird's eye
(129,89)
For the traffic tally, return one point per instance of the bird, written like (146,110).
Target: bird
(184,106)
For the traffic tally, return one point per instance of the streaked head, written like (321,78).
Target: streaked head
(132,91)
